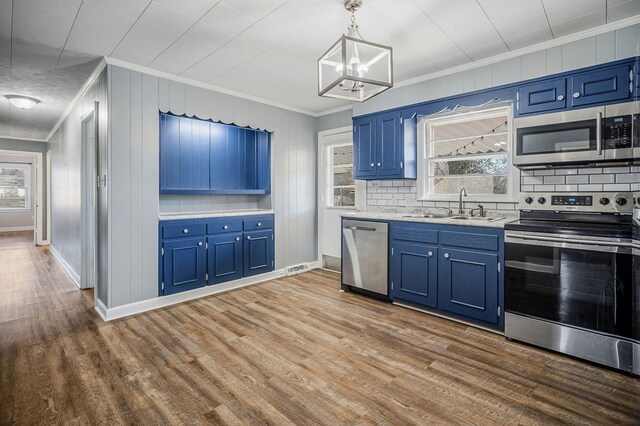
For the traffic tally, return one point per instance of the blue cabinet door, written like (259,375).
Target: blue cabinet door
(224,258)
(601,86)
(414,273)
(389,146)
(184,264)
(468,284)
(364,147)
(257,252)
(544,96)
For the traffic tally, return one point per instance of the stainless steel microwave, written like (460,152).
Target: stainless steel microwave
(589,136)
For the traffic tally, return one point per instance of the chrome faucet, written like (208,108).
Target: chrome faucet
(463,192)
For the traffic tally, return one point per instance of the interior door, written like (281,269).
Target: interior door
(337,192)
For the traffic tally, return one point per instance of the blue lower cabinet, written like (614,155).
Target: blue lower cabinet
(224,258)
(257,252)
(184,264)
(468,284)
(414,273)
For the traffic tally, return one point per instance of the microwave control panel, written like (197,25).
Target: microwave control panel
(617,132)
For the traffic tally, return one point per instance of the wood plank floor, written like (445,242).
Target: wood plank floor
(289,351)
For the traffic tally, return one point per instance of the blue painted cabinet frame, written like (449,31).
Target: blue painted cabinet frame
(454,270)
(204,157)
(194,253)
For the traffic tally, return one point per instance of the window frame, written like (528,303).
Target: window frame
(27,185)
(330,187)
(424,139)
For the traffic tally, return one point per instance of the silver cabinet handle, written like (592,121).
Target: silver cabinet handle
(560,97)
(237,238)
(379,164)
(446,255)
(372,164)
(599,133)
(577,94)
(430,253)
(185,231)
(259,224)
(225,227)
(200,243)
(248,237)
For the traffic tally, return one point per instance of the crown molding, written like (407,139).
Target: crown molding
(87,84)
(196,83)
(334,110)
(525,50)
(20,138)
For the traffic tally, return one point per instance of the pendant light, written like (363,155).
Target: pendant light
(353,68)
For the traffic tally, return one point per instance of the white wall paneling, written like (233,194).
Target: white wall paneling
(135,101)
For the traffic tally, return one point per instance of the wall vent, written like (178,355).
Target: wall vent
(297,269)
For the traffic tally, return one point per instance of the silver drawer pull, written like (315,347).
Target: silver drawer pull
(248,237)
(225,227)
(200,243)
(560,97)
(577,95)
(259,224)
(372,164)
(185,231)
(237,238)
(446,255)
(379,164)
(430,254)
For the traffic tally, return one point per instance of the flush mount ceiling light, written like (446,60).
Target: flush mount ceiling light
(22,102)
(353,68)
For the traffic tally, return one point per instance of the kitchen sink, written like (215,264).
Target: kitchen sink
(487,219)
(428,216)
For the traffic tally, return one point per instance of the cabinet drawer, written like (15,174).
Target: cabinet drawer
(420,233)
(470,239)
(258,223)
(224,224)
(182,230)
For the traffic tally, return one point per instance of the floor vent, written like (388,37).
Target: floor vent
(297,269)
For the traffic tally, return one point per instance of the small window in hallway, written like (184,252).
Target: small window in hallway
(14,186)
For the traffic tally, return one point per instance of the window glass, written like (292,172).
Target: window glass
(14,186)
(342,185)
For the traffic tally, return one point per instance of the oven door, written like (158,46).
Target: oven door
(565,137)
(583,282)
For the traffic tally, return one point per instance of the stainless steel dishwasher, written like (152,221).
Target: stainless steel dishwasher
(365,255)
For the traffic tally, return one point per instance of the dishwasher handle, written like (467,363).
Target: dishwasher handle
(361,228)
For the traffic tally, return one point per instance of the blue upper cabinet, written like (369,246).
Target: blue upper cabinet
(383,146)
(202,157)
(601,86)
(543,96)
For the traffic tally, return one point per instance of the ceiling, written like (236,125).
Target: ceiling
(267,48)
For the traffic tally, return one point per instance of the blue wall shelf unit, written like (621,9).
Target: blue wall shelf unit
(205,157)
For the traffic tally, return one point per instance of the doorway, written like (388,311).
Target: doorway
(338,192)
(88,263)
(22,186)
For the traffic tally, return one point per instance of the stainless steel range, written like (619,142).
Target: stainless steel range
(569,277)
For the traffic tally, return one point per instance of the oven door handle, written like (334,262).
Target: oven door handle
(588,245)
(599,133)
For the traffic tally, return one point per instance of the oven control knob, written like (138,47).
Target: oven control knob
(604,201)
(542,200)
(621,201)
(528,200)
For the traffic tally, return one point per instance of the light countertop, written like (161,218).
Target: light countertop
(207,215)
(497,223)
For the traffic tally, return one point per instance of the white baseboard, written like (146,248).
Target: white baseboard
(109,314)
(75,277)
(17,228)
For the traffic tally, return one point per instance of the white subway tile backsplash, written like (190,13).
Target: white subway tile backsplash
(590,187)
(618,187)
(577,179)
(627,178)
(536,180)
(566,188)
(526,188)
(621,169)
(554,180)
(541,188)
(602,178)
(562,172)
(590,171)
(544,172)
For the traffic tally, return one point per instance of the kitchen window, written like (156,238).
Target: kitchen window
(14,186)
(341,185)
(470,149)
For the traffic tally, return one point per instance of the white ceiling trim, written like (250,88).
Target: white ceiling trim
(334,110)
(523,51)
(179,79)
(20,138)
(96,72)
